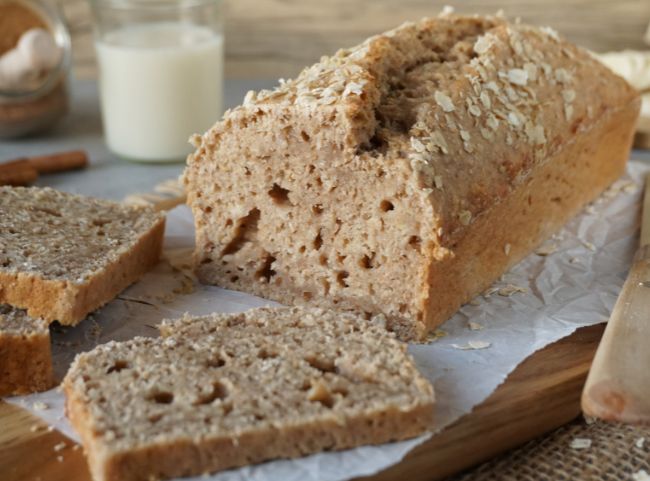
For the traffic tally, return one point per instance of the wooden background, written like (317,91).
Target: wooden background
(276,38)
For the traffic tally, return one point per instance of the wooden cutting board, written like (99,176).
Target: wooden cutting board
(540,395)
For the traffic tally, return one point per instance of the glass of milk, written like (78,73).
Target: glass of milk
(160,74)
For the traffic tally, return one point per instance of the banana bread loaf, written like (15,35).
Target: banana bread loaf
(405,175)
(63,255)
(222,391)
(25,353)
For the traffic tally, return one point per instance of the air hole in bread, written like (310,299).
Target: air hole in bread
(366,261)
(244,232)
(305,136)
(117,366)
(161,397)
(386,205)
(320,393)
(215,362)
(322,260)
(302,249)
(234,278)
(265,273)
(415,242)
(266,354)
(321,364)
(307,296)
(154,418)
(279,194)
(341,277)
(317,209)
(207,209)
(219,391)
(318,241)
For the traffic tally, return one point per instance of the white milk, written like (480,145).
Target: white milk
(159,84)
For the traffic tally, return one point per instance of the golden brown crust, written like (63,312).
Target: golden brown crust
(58,300)
(551,195)
(25,363)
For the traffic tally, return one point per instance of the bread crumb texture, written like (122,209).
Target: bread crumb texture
(222,391)
(64,255)
(345,187)
(62,236)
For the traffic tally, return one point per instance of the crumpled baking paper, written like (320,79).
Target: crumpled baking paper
(572,281)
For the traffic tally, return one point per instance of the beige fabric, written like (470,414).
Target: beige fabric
(613,456)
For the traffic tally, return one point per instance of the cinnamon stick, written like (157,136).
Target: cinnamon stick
(17,172)
(59,162)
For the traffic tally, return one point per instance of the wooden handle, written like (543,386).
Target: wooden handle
(59,162)
(17,172)
(618,385)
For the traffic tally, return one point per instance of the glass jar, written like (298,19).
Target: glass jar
(38,102)
(160,74)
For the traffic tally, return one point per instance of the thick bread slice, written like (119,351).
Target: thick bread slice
(405,175)
(25,353)
(63,255)
(228,390)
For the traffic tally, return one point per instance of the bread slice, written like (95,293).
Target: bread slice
(25,353)
(227,390)
(63,255)
(403,176)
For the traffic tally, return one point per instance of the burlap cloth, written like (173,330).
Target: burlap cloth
(616,453)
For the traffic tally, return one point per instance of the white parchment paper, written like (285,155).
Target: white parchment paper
(572,281)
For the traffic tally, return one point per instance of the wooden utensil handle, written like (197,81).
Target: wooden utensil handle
(618,385)
(17,172)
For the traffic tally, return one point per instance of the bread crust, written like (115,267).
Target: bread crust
(554,192)
(59,300)
(186,458)
(26,363)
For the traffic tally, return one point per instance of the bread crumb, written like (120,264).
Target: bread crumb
(474,326)
(574,260)
(59,447)
(76,447)
(640,442)
(435,335)
(510,289)
(40,406)
(641,475)
(59,459)
(506,249)
(589,246)
(34,428)
(472,345)
(580,443)
(547,249)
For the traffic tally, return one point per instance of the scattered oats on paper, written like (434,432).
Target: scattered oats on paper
(580,443)
(547,249)
(640,443)
(435,335)
(40,406)
(510,289)
(474,326)
(472,345)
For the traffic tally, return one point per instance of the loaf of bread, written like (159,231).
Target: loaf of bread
(223,391)
(405,175)
(25,353)
(63,255)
